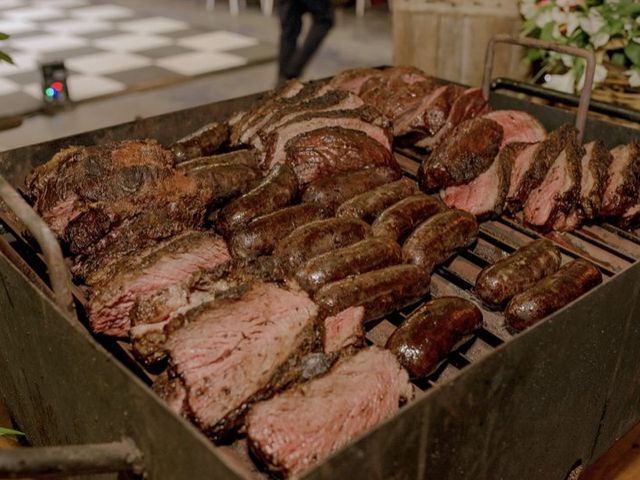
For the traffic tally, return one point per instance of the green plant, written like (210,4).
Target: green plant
(611,28)
(9,431)
(4,57)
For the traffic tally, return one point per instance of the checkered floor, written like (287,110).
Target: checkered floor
(108,49)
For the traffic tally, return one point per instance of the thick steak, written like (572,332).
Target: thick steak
(303,425)
(623,185)
(344,330)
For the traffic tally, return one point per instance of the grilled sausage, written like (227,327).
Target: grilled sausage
(435,240)
(367,206)
(202,142)
(276,190)
(400,219)
(260,236)
(319,237)
(432,332)
(498,283)
(332,191)
(361,257)
(225,181)
(552,293)
(246,157)
(380,292)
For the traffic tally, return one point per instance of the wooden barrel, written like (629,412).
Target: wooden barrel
(448,38)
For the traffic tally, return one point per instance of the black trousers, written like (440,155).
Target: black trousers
(293,59)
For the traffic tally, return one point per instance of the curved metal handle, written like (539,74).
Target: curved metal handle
(585,97)
(58,272)
(26,462)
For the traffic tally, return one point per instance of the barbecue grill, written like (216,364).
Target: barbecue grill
(537,405)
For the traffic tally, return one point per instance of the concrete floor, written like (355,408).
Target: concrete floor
(353,42)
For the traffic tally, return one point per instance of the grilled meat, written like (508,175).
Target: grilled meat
(438,238)
(261,235)
(318,237)
(498,283)
(305,424)
(172,391)
(518,126)
(559,192)
(532,164)
(345,330)
(245,351)
(485,195)
(110,303)
(621,191)
(331,191)
(361,257)
(399,220)
(353,79)
(462,156)
(551,294)
(75,177)
(277,190)
(380,292)
(331,150)
(245,156)
(367,206)
(205,141)
(225,182)
(423,341)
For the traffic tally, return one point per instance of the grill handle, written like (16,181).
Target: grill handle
(71,460)
(585,97)
(59,274)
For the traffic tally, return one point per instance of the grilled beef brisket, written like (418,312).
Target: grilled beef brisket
(303,425)
(232,353)
(518,126)
(62,188)
(463,156)
(331,150)
(623,185)
(110,302)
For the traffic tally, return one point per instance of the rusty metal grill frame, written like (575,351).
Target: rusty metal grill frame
(430,437)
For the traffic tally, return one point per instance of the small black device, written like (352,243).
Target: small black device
(54,83)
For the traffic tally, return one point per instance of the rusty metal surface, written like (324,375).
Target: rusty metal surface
(589,56)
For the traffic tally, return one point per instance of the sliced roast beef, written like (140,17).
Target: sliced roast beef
(532,164)
(468,105)
(559,192)
(303,425)
(623,185)
(62,188)
(353,79)
(233,353)
(485,195)
(110,303)
(363,119)
(344,330)
(518,126)
(331,150)
(464,155)
(360,80)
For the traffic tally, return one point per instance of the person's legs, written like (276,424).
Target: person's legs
(290,12)
(322,13)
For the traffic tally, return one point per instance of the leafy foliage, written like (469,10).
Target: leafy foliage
(4,57)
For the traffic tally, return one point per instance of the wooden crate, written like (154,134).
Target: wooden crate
(448,39)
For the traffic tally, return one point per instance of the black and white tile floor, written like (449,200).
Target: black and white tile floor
(108,49)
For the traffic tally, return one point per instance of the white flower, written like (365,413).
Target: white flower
(563,83)
(543,18)
(636,39)
(567,60)
(599,76)
(634,77)
(558,16)
(573,22)
(593,22)
(599,40)
(528,8)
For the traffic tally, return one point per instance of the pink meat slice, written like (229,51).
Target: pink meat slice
(518,126)
(344,329)
(521,164)
(624,180)
(303,425)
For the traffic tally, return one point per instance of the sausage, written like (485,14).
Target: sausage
(552,293)
(276,190)
(318,237)
(436,239)
(204,141)
(367,206)
(400,219)
(332,191)
(260,236)
(380,292)
(361,257)
(225,181)
(246,157)
(498,283)
(432,332)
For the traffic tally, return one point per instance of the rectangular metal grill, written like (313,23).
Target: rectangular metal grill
(613,250)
